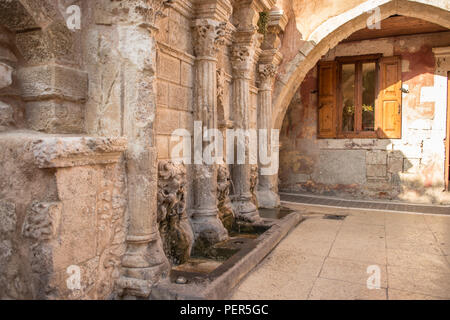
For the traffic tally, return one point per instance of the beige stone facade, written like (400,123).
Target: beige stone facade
(88,185)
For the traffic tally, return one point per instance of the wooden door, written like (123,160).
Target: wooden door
(390,99)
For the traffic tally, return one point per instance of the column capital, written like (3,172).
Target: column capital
(209,35)
(267,73)
(241,60)
(244,51)
(268,66)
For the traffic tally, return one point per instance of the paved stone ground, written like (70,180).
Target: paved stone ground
(328,259)
(376,205)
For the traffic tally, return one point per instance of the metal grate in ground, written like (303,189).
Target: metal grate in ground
(334,217)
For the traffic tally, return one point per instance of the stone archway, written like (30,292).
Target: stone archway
(338,28)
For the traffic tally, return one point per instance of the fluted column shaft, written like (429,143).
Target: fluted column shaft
(208,35)
(241,172)
(264,122)
(267,192)
(245,209)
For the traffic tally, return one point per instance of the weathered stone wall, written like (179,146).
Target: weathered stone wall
(175,72)
(411,168)
(46,61)
(63,198)
(21,182)
(175,81)
(62,210)
(11,104)
(74,194)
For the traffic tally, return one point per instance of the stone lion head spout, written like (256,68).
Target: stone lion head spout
(174,227)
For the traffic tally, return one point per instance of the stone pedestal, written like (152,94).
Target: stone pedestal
(67,226)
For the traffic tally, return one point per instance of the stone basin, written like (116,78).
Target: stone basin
(214,274)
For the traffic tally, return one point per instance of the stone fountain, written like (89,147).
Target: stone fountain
(209,271)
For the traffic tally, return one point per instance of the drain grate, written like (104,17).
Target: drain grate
(334,217)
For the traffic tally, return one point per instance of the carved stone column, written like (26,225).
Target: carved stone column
(266,192)
(246,44)
(208,36)
(242,62)
(144,262)
(144,259)
(270,59)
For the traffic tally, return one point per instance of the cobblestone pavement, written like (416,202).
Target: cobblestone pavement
(330,259)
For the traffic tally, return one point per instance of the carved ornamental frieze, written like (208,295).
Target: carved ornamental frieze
(174,227)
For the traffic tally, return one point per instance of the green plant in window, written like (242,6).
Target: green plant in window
(367,108)
(263,22)
(349,110)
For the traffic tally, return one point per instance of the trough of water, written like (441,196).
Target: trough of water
(213,273)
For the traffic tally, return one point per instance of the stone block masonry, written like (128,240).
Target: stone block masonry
(91,206)
(77,220)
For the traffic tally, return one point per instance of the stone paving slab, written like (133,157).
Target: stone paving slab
(375,205)
(329,259)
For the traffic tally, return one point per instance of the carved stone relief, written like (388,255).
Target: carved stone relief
(254,183)
(226,213)
(221,95)
(111,219)
(174,227)
(41,226)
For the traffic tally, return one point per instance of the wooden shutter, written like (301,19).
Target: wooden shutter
(447,139)
(389,110)
(327,100)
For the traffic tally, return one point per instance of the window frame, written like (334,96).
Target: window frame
(357,61)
